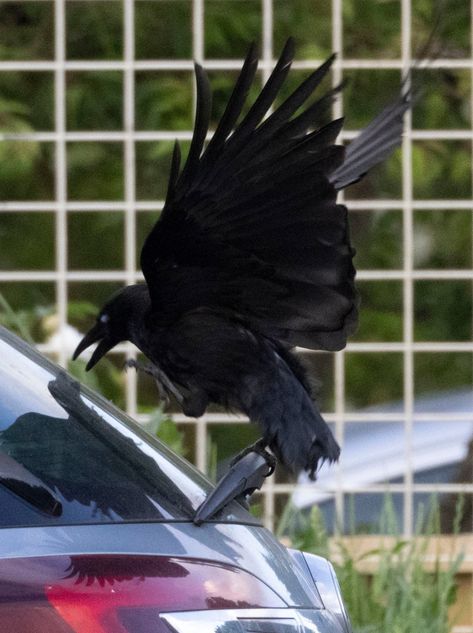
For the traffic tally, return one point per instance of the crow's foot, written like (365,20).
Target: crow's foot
(260,448)
(163,384)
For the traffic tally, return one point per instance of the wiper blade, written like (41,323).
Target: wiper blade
(239,483)
(27,486)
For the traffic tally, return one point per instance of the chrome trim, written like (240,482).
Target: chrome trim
(245,620)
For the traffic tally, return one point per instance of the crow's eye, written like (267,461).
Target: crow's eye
(104,318)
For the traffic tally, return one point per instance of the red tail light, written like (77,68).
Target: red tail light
(118,594)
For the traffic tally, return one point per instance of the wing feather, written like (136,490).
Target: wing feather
(252,228)
(374,144)
(234,107)
(173,174)
(202,120)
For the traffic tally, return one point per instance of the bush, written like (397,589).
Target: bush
(402,595)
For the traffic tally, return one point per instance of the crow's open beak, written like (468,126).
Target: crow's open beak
(97,333)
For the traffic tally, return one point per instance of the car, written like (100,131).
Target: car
(98,529)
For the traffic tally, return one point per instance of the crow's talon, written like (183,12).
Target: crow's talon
(260,448)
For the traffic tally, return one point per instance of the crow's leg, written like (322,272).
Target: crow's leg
(164,385)
(257,447)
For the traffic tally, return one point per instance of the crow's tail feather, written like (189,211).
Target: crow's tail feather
(374,144)
(291,423)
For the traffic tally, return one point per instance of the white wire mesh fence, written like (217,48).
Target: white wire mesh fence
(415,243)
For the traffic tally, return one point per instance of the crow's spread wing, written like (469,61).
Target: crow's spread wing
(251,226)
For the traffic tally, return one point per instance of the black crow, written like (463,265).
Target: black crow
(250,257)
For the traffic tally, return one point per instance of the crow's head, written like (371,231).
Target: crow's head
(113,323)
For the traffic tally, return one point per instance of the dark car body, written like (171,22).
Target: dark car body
(96,529)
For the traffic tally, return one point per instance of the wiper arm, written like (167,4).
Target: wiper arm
(239,483)
(27,486)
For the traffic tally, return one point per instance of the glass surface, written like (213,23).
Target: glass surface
(98,464)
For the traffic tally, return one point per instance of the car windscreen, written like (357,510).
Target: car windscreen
(70,457)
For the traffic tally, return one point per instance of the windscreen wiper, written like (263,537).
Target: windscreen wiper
(27,486)
(239,483)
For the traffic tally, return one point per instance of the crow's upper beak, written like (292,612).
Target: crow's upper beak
(97,333)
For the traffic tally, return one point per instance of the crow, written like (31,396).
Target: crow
(251,257)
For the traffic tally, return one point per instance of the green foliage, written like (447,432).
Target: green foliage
(94,100)
(377,237)
(403,594)
(27,101)
(443,99)
(443,310)
(26,322)
(381,317)
(94,29)
(105,234)
(432,250)
(439,372)
(442,169)
(27,30)
(40,252)
(373,378)
(164,100)
(107,379)
(371,28)
(27,169)
(21,322)
(446,23)
(309,22)
(95,171)
(230,25)
(163,29)
(164,428)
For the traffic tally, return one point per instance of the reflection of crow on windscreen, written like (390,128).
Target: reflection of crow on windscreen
(65,452)
(251,257)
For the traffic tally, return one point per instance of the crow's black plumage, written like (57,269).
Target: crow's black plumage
(251,256)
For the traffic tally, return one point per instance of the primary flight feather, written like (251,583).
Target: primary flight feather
(250,257)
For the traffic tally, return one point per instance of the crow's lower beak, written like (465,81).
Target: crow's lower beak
(97,333)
